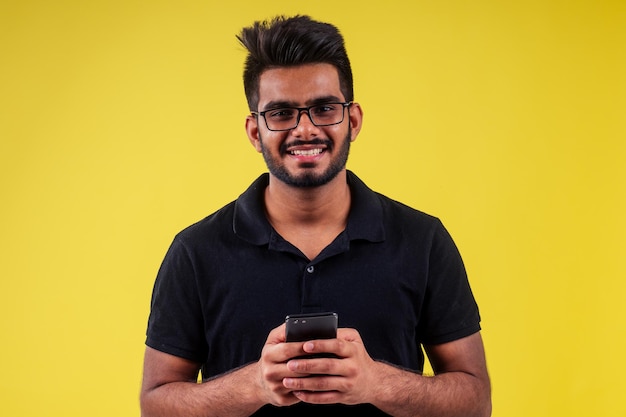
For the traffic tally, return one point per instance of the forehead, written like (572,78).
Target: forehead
(300,85)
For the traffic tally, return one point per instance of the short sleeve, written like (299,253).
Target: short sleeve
(450,311)
(176,324)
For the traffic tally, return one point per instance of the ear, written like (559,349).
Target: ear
(355,113)
(252,129)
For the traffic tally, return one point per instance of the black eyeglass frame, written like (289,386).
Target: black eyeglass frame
(344,105)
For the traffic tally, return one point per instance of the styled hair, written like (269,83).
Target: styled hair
(292,41)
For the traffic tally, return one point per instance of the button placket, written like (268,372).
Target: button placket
(311,296)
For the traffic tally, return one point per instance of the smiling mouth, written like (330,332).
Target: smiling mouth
(306,152)
(309,148)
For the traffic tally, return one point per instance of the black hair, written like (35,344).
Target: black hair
(292,41)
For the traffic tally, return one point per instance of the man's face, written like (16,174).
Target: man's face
(308,155)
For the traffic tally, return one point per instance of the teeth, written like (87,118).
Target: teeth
(307,152)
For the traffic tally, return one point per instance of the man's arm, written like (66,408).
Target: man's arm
(170,387)
(460,387)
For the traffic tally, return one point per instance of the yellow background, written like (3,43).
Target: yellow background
(121,122)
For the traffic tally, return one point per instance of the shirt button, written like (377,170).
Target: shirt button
(310,269)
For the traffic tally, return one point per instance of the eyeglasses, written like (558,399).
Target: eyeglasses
(288,118)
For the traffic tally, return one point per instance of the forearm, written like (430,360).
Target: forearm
(403,393)
(231,394)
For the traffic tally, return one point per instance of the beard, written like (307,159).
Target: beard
(309,179)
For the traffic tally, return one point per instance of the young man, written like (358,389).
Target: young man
(311,237)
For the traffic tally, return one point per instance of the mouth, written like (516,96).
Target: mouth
(308,149)
(306,152)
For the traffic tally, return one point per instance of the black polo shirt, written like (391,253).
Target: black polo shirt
(394,274)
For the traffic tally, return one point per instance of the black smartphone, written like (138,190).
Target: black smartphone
(312,326)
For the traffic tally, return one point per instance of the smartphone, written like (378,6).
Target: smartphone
(313,326)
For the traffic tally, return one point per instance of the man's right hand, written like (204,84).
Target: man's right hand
(273,367)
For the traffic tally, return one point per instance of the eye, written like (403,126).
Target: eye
(281,114)
(324,108)
(324,111)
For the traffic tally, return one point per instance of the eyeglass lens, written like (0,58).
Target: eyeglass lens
(320,115)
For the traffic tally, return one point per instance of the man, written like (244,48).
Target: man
(311,237)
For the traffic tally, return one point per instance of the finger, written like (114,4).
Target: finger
(350,335)
(337,348)
(277,350)
(316,384)
(319,366)
(276,335)
(319,397)
(282,353)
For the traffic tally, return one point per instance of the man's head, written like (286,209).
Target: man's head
(289,42)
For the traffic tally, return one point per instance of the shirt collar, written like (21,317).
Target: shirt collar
(365,220)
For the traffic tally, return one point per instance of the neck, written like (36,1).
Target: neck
(309,218)
(287,204)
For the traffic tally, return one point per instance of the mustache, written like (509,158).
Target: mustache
(325,142)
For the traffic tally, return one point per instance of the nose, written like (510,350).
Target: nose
(305,124)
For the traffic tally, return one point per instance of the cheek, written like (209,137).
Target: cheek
(270,142)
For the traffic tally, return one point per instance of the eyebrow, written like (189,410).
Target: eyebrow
(278,104)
